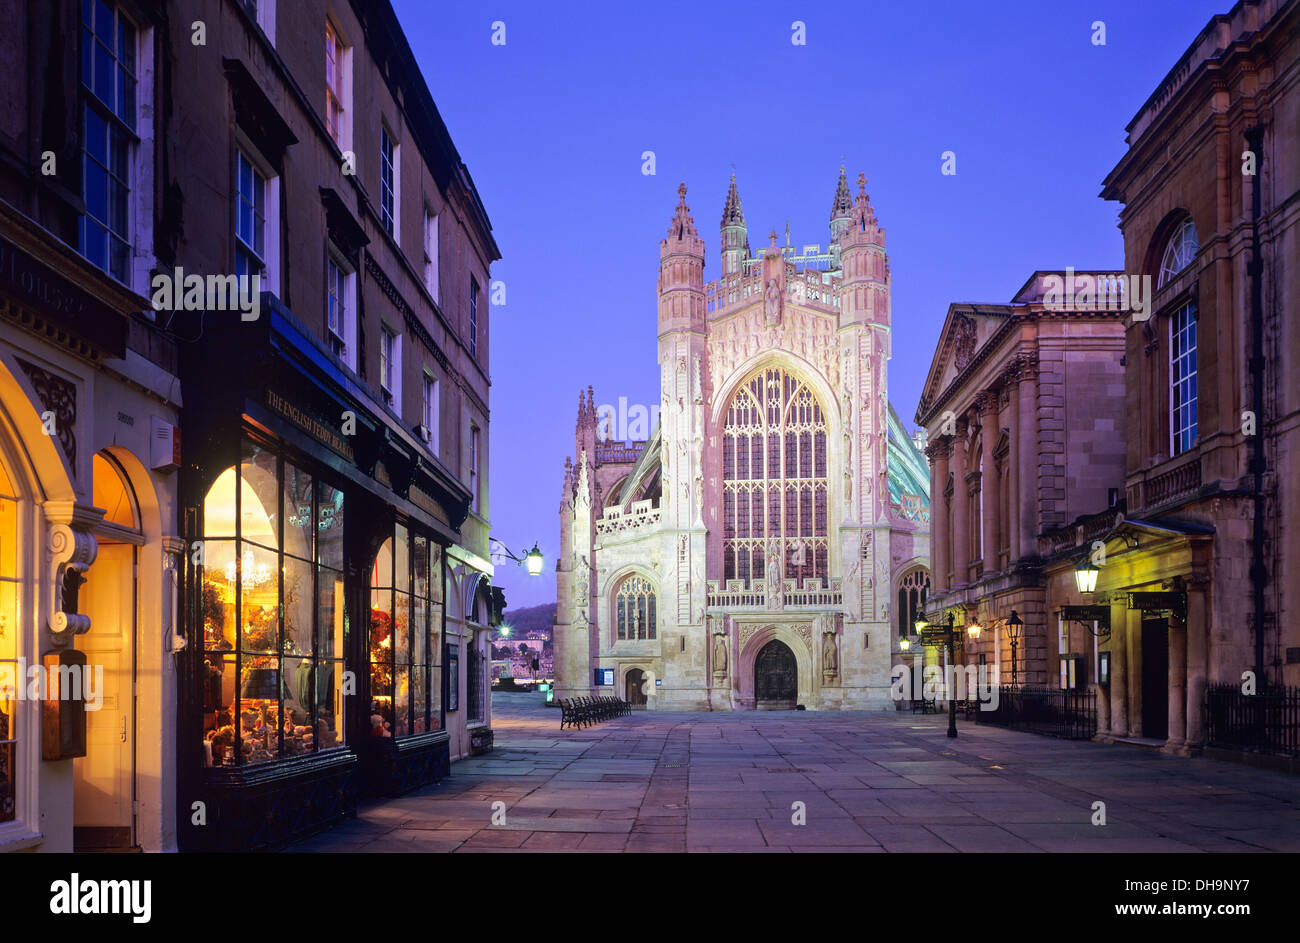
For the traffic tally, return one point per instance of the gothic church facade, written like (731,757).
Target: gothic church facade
(767,543)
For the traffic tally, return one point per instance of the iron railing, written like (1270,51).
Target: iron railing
(1265,722)
(1070,715)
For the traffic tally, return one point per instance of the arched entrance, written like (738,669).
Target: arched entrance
(634,686)
(104,778)
(776,677)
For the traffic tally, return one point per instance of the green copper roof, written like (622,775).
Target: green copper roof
(909,472)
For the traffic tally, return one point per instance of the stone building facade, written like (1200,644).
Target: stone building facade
(748,554)
(258,507)
(1209,191)
(1024,411)
(89,405)
(307,132)
(1166,440)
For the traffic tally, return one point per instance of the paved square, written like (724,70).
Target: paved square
(875,782)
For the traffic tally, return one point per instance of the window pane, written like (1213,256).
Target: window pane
(402,628)
(402,708)
(382,573)
(259,584)
(299,519)
(299,706)
(104,72)
(402,561)
(420,565)
(259,495)
(329,529)
(218,604)
(261,687)
(329,614)
(299,607)
(218,683)
(419,630)
(419,698)
(329,705)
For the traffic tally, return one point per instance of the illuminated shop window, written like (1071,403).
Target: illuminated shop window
(274,624)
(405,635)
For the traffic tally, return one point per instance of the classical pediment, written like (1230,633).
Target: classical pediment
(965,332)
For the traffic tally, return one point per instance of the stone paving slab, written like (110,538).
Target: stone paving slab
(867,782)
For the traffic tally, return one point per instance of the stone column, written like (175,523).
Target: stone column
(990,493)
(1133,643)
(1177,740)
(1118,674)
(940,524)
(1027,457)
(960,510)
(1197,669)
(1012,511)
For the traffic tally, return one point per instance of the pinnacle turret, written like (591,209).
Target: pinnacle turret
(683,224)
(731,212)
(735,240)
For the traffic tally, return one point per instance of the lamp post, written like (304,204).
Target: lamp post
(952,667)
(1014,625)
(532,561)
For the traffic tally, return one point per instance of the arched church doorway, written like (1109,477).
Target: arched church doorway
(776,678)
(635,688)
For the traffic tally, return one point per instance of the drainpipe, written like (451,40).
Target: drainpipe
(1258,569)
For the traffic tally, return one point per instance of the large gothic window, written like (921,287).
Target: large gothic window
(635,609)
(774,480)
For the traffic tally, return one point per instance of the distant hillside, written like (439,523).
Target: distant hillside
(523,621)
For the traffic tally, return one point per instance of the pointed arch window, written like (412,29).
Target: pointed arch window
(634,607)
(774,492)
(913,589)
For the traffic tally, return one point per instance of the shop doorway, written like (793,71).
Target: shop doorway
(104,779)
(634,686)
(1155,679)
(776,678)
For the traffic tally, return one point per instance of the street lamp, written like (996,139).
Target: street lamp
(904,643)
(952,667)
(974,630)
(1085,577)
(531,561)
(1014,625)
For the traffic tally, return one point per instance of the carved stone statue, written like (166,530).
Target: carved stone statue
(775,599)
(581,579)
(830,655)
(772,301)
(720,654)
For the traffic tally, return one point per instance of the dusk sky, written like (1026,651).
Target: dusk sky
(553,125)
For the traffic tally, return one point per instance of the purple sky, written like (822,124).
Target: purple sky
(553,124)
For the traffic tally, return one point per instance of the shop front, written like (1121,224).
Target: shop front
(316,531)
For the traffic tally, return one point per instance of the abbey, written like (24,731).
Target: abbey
(767,543)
